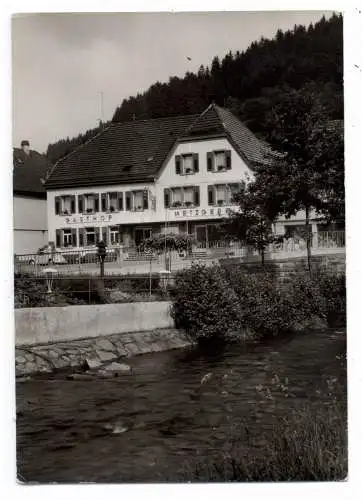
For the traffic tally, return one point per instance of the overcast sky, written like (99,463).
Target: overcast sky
(61,62)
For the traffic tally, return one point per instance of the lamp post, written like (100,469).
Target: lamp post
(102,252)
(49,276)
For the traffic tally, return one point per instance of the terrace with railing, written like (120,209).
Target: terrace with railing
(124,260)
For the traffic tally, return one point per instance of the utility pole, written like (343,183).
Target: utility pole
(101,99)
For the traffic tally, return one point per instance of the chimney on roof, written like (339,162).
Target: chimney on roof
(25,146)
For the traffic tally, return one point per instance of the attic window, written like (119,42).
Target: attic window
(150,158)
(219,161)
(187,164)
(127,168)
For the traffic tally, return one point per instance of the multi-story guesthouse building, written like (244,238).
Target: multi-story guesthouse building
(144,177)
(29,199)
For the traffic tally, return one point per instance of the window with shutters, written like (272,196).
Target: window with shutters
(65,205)
(182,197)
(137,200)
(187,164)
(67,237)
(114,235)
(90,236)
(223,194)
(113,201)
(91,203)
(218,161)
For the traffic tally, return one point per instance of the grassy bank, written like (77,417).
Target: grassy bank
(308,445)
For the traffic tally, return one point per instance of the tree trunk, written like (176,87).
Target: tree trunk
(262,253)
(307,228)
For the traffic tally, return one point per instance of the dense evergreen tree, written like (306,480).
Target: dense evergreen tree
(250,83)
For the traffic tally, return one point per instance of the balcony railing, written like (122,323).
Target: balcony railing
(119,257)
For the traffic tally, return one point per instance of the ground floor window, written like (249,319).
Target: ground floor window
(67,237)
(90,236)
(114,238)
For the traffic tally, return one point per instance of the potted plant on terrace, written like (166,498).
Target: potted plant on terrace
(188,203)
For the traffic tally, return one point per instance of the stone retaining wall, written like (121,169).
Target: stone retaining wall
(40,325)
(95,353)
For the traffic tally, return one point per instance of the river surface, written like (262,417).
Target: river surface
(146,425)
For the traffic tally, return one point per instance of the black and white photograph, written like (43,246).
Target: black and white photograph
(179,247)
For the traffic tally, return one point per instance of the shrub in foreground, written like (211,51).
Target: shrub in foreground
(204,305)
(232,303)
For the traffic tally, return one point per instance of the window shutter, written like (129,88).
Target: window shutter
(81,237)
(97,230)
(145,200)
(74,237)
(178,164)
(58,234)
(210,158)
(228,159)
(120,201)
(80,203)
(96,202)
(166,195)
(196,162)
(197,196)
(57,205)
(104,235)
(128,201)
(103,202)
(210,192)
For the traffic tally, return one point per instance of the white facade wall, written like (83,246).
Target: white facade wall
(30,224)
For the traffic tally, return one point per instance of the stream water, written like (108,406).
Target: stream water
(146,425)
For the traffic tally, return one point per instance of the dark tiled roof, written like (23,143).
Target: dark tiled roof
(220,121)
(135,151)
(123,152)
(28,170)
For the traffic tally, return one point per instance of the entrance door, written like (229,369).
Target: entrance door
(141,234)
(201,236)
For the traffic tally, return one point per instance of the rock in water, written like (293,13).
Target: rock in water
(92,363)
(206,378)
(117,367)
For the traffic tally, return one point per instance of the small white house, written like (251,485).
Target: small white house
(29,200)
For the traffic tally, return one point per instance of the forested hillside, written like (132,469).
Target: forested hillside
(249,83)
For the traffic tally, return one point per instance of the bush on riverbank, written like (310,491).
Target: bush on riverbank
(229,303)
(305,446)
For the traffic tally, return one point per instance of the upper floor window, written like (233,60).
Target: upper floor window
(65,205)
(88,203)
(137,200)
(111,202)
(219,161)
(187,196)
(187,164)
(222,194)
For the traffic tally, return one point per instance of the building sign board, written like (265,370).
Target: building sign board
(85,219)
(201,212)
